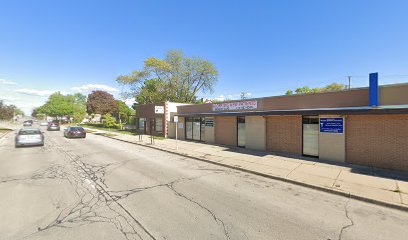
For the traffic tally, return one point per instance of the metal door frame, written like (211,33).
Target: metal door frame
(192,128)
(238,130)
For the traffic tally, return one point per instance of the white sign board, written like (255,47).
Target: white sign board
(243,105)
(175,119)
(159,109)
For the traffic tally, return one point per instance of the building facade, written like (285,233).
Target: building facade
(155,119)
(367,126)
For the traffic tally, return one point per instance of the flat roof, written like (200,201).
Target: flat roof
(312,93)
(389,109)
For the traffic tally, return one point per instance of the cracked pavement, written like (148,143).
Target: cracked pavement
(99,188)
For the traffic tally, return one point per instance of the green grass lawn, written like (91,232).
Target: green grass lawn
(113,130)
(109,134)
(108,129)
(4,131)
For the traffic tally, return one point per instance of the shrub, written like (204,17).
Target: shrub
(109,121)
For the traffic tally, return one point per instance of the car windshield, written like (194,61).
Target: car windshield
(76,129)
(29,132)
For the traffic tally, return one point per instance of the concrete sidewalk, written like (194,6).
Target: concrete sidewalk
(379,186)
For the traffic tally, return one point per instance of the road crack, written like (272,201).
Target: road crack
(348,217)
(216,219)
(94,204)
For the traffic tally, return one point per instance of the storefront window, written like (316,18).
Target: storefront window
(195,128)
(189,128)
(158,124)
(142,124)
(202,129)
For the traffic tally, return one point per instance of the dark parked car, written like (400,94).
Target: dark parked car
(53,126)
(27,123)
(74,132)
(29,137)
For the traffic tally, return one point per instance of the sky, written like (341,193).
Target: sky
(259,47)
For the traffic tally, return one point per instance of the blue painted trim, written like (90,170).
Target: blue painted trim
(374,91)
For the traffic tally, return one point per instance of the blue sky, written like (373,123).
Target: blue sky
(260,47)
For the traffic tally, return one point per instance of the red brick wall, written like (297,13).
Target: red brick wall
(284,134)
(377,140)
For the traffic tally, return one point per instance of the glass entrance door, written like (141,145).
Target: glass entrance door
(189,128)
(311,135)
(197,129)
(241,131)
(194,128)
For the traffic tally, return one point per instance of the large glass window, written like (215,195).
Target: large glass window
(195,128)
(311,135)
(202,129)
(141,124)
(189,128)
(158,124)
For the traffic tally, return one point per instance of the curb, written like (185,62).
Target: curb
(2,135)
(319,188)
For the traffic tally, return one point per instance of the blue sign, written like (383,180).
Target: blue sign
(331,125)
(373,90)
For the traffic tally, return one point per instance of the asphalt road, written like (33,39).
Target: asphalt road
(99,188)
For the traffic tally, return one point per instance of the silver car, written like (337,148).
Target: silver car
(52,126)
(29,137)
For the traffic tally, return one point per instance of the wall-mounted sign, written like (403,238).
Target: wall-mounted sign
(331,125)
(243,105)
(209,122)
(159,109)
(180,125)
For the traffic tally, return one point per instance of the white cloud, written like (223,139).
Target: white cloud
(9,99)
(34,92)
(220,98)
(130,101)
(6,82)
(223,97)
(92,87)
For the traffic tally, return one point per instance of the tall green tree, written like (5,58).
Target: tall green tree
(59,105)
(307,89)
(79,107)
(124,111)
(7,112)
(175,78)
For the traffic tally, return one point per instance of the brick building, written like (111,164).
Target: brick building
(367,126)
(153,119)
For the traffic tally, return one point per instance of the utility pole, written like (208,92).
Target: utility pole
(349,80)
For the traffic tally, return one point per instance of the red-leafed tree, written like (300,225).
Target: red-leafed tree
(101,102)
